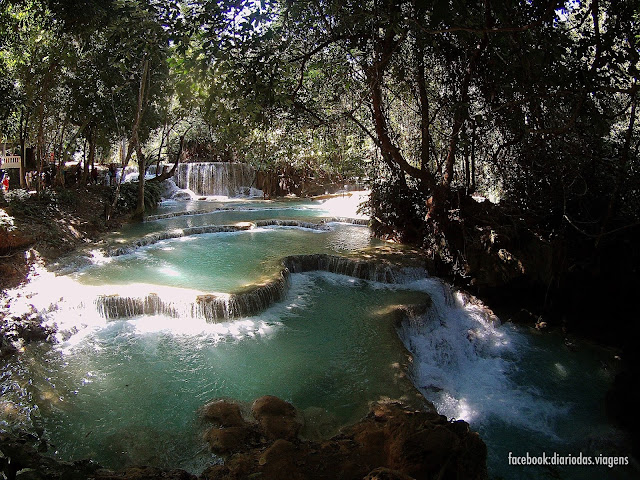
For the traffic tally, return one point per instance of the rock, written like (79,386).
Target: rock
(223,413)
(276,418)
(270,405)
(418,444)
(281,460)
(237,466)
(383,473)
(278,427)
(15,332)
(392,442)
(14,240)
(229,439)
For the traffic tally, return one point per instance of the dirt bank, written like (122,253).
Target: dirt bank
(44,227)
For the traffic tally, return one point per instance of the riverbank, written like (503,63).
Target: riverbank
(41,228)
(393,442)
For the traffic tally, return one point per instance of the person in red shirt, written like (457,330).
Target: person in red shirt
(5,183)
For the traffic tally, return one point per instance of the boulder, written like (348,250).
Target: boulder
(276,418)
(223,413)
(229,439)
(392,442)
(281,460)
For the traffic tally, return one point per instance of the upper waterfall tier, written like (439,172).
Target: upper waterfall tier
(216,178)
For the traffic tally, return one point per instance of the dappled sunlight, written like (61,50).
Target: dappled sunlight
(344,205)
(6,221)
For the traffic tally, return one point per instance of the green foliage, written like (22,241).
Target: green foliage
(128,197)
(397,209)
(536,95)
(23,204)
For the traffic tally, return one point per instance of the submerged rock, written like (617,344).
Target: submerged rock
(16,332)
(224,413)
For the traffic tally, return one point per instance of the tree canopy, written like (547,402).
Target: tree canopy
(531,102)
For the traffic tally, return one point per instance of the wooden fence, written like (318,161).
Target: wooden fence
(10,161)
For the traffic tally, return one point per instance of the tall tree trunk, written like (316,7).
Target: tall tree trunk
(24,129)
(459,118)
(40,146)
(60,155)
(461,112)
(375,73)
(423,105)
(92,153)
(467,168)
(168,174)
(133,140)
(473,158)
(138,214)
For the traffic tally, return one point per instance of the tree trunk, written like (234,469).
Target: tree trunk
(423,105)
(133,140)
(92,153)
(24,125)
(624,159)
(40,146)
(473,158)
(166,175)
(138,214)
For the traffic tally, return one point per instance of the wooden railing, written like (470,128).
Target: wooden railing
(10,161)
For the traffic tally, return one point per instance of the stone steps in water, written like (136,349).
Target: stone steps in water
(152,238)
(216,307)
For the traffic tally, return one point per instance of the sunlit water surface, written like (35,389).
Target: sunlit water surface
(128,391)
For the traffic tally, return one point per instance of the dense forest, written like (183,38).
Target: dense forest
(529,104)
(500,137)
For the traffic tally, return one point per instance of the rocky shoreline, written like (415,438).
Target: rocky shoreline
(393,442)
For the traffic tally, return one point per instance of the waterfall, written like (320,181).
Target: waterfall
(464,360)
(290,223)
(216,178)
(254,299)
(153,238)
(244,304)
(214,307)
(374,270)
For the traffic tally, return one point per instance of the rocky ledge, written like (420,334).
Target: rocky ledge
(393,442)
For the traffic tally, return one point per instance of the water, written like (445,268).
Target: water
(216,178)
(126,384)
(209,262)
(128,391)
(524,392)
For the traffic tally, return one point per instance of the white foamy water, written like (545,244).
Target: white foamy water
(464,361)
(522,392)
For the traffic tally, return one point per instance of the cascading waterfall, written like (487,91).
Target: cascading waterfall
(460,350)
(179,338)
(153,238)
(217,307)
(522,393)
(364,269)
(216,178)
(212,307)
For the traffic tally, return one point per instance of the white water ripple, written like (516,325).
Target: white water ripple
(465,363)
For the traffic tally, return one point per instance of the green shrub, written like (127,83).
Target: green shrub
(128,198)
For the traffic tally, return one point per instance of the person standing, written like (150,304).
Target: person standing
(5,182)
